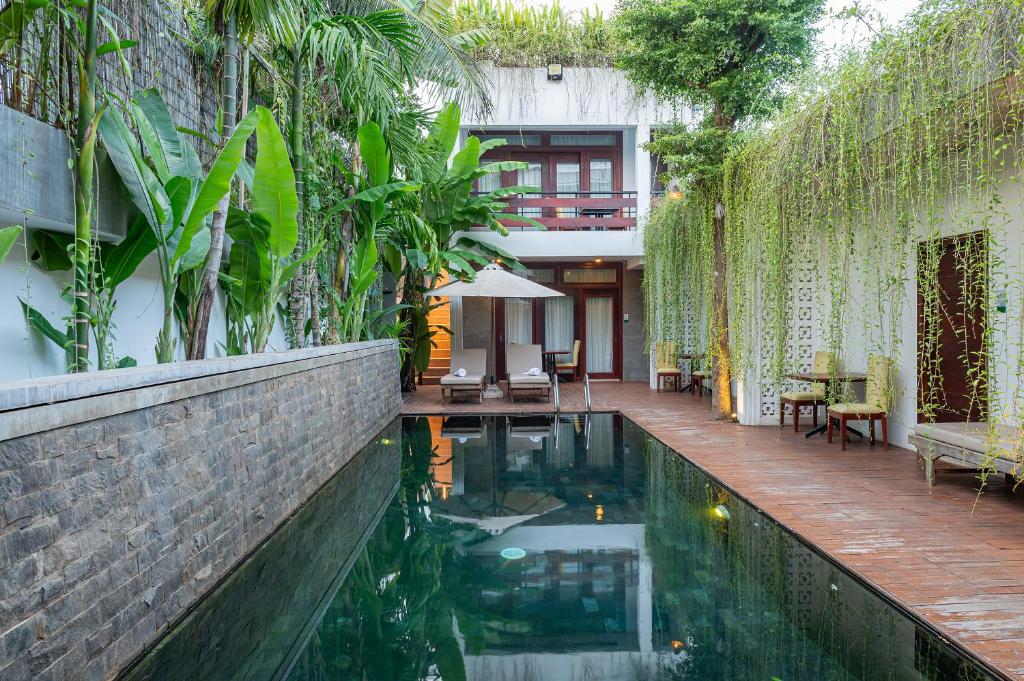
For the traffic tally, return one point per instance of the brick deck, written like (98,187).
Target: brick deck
(953,557)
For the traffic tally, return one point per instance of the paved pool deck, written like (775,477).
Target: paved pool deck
(952,556)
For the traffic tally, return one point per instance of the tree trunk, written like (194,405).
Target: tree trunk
(721,399)
(86,149)
(297,295)
(211,269)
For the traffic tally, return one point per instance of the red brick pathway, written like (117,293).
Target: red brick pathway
(952,556)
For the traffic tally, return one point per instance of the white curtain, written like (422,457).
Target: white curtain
(531,177)
(567,182)
(488,183)
(600,178)
(558,333)
(519,320)
(599,335)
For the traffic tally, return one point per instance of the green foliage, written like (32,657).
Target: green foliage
(517,34)
(8,235)
(852,189)
(166,183)
(733,56)
(260,266)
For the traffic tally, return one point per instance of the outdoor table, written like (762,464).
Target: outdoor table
(549,360)
(828,379)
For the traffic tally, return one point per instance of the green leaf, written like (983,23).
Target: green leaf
(467,160)
(218,181)
(197,250)
(37,321)
(172,155)
(273,195)
(51,250)
(445,133)
(126,257)
(143,186)
(374,151)
(126,362)
(383,191)
(8,235)
(179,194)
(114,45)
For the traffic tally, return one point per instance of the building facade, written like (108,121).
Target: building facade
(582,132)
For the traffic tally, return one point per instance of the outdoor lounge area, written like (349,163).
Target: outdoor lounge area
(512,340)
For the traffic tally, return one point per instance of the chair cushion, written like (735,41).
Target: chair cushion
(467,380)
(698,374)
(855,408)
(802,397)
(520,380)
(566,367)
(667,371)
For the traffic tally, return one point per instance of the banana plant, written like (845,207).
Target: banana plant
(434,238)
(379,195)
(166,183)
(260,265)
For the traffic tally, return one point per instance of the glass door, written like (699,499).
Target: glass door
(600,337)
(567,183)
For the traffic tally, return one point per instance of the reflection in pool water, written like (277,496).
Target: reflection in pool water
(523,548)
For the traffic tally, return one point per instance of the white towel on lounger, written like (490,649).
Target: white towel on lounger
(532,372)
(460,372)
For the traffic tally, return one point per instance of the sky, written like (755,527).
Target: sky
(835,34)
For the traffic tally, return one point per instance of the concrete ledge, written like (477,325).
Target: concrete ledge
(36,405)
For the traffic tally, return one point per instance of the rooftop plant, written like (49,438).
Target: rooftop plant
(528,35)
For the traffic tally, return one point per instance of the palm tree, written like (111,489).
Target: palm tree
(238,19)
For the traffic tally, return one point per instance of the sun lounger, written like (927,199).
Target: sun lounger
(975,445)
(520,361)
(474,363)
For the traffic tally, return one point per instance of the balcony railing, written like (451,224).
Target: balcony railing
(574,211)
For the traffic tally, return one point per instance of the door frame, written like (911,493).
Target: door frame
(578,292)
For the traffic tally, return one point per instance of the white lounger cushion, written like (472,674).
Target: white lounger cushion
(542,379)
(468,379)
(521,358)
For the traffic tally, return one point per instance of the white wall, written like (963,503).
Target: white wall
(865,324)
(585,97)
(138,318)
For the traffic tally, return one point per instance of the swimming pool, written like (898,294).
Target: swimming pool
(514,548)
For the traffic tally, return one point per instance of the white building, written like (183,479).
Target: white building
(583,136)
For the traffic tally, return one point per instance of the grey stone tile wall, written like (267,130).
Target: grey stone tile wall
(111,528)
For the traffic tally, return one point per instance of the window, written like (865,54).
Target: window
(601,177)
(567,180)
(488,183)
(585,140)
(590,275)
(513,139)
(531,177)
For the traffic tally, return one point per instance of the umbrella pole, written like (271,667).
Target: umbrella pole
(493,391)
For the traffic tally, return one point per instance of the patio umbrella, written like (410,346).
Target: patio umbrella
(494,282)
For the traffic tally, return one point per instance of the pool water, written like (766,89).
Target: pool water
(521,548)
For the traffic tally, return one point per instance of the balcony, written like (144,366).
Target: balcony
(574,211)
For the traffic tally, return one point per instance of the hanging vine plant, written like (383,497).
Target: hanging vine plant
(846,201)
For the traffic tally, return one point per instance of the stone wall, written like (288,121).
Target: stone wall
(126,495)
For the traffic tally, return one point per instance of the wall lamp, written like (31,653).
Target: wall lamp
(554,72)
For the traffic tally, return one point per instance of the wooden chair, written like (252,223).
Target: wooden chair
(824,363)
(874,407)
(572,367)
(666,365)
(698,376)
